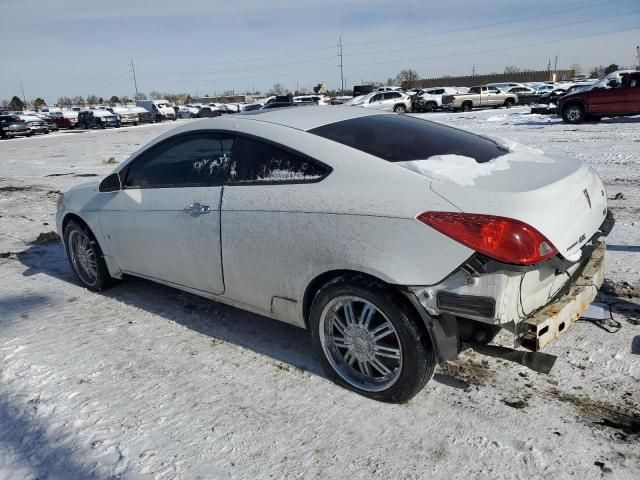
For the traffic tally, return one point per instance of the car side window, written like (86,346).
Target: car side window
(257,162)
(634,82)
(193,160)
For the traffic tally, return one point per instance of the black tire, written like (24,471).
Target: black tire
(431,106)
(418,360)
(400,108)
(455,110)
(102,279)
(30,134)
(508,103)
(466,107)
(573,114)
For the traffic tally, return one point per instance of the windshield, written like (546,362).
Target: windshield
(399,138)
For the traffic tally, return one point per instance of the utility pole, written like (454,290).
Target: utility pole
(341,68)
(638,57)
(473,70)
(555,65)
(135,83)
(24,99)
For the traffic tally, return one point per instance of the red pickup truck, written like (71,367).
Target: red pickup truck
(617,94)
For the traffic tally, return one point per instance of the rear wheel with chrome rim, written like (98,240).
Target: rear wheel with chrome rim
(370,341)
(85,257)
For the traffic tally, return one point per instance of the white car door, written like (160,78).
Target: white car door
(165,222)
(495,96)
(376,101)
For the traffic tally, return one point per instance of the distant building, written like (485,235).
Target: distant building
(227,99)
(520,77)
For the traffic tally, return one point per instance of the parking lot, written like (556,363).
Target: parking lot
(150,382)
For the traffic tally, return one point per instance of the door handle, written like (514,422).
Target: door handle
(194,209)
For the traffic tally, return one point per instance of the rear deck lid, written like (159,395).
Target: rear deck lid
(562,198)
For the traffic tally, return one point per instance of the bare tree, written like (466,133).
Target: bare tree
(64,102)
(512,69)
(141,96)
(155,95)
(79,100)
(4,103)
(407,78)
(597,72)
(92,100)
(278,89)
(124,100)
(577,69)
(114,100)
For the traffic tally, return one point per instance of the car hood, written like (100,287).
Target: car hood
(562,198)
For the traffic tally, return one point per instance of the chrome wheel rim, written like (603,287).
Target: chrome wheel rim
(360,343)
(83,257)
(574,114)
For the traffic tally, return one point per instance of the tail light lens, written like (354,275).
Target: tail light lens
(503,239)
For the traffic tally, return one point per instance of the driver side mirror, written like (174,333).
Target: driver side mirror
(110,183)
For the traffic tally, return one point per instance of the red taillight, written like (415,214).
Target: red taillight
(503,239)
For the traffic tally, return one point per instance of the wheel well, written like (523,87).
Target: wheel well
(72,216)
(572,103)
(467,102)
(321,280)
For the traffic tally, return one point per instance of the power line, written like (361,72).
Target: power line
(556,12)
(307,51)
(492,37)
(469,52)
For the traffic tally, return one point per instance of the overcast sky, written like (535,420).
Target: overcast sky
(79,47)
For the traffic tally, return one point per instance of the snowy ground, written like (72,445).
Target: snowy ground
(147,382)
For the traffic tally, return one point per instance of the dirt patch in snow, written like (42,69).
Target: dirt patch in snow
(473,372)
(12,188)
(625,420)
(621,289)
(46,237)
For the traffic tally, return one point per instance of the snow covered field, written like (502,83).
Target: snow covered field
(145,381)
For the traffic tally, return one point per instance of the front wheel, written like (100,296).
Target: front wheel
(400,109)
(508,103)
(85,257)
(573,114)
(369,340)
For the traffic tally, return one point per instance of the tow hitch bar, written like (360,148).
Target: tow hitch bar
(536,361)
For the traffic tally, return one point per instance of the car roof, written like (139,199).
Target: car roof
(309,118)
(299,118)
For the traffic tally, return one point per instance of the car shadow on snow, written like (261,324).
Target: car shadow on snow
(33,444)
(274,339)
(277,340)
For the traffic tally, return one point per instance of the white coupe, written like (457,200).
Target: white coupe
(392,240)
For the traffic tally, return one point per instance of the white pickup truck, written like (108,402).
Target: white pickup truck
(479,97)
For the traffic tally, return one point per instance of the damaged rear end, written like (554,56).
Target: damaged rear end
(536,225)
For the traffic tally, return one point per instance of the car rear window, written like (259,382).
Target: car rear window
(402,138)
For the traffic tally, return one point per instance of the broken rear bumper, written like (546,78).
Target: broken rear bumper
(546,325)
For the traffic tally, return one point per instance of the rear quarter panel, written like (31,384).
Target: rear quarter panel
(277,238)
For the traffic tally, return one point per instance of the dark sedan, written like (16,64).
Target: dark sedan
(13,126)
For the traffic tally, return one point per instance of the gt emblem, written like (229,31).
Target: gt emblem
(586,194)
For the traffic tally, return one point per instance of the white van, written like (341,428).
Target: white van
(161,109)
